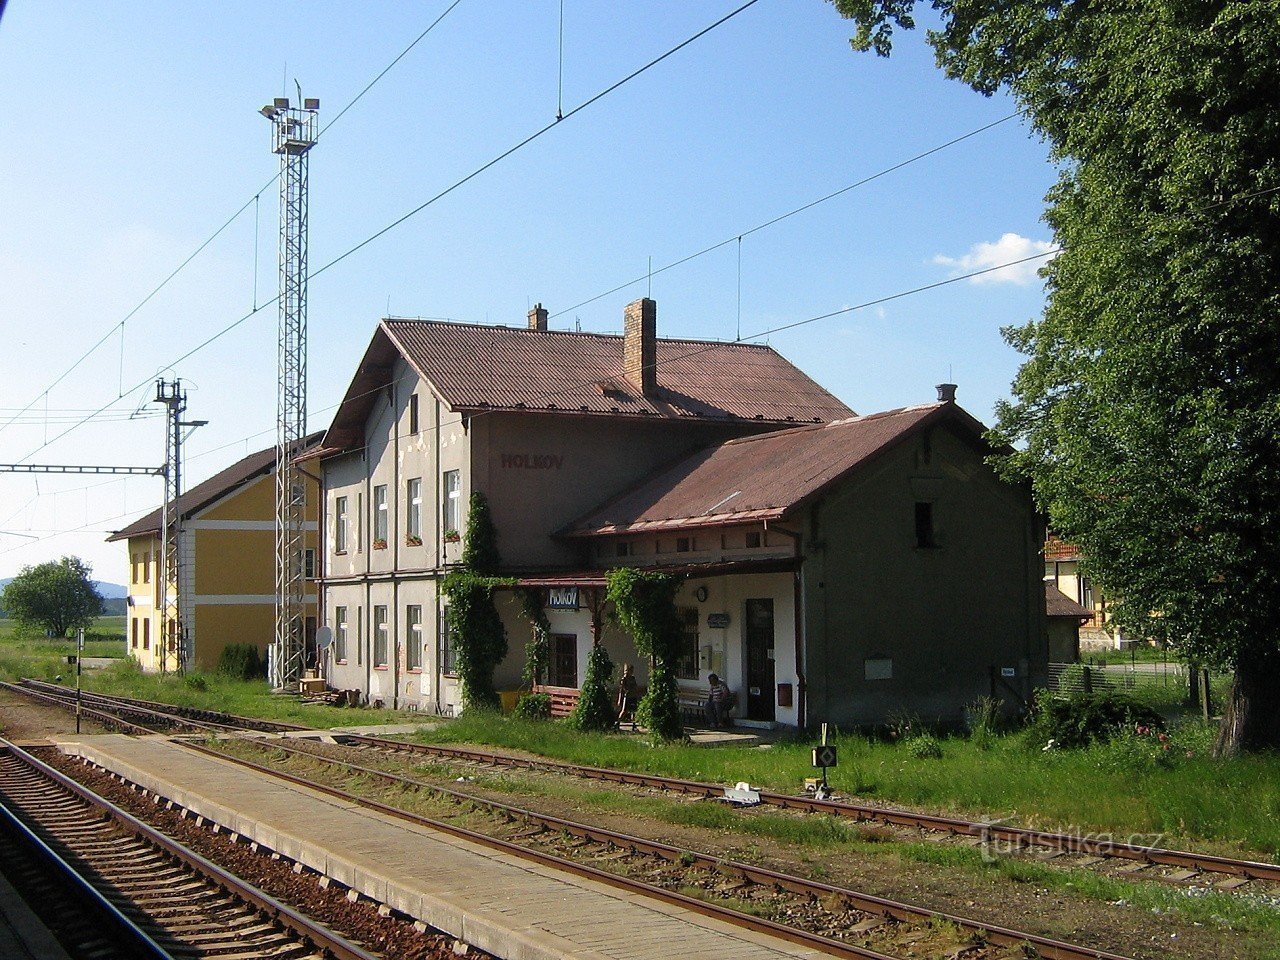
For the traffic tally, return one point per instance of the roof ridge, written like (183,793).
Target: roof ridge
(571,333)
(861,418)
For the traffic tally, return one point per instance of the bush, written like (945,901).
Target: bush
(923,746)
(241,661)
(594,709)
(1085,718)
(195,681)
(533,706)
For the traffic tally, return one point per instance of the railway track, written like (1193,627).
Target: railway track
(835,920)
(154,897)
(1186,865)
(839,912)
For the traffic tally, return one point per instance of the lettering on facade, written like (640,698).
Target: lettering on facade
(531,461)
(562,598)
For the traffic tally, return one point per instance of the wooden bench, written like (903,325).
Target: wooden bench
(693,705)
(563,699)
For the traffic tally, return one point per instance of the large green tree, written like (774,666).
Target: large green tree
(55,598)
(1147,412)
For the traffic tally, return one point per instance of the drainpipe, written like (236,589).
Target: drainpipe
(797,599)
(393,541)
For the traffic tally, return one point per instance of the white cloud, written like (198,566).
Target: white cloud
(1009,248)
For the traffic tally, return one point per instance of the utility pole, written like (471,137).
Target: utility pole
(176,639)
(294,134)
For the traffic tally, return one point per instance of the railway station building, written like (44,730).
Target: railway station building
(837,568)
(226,592)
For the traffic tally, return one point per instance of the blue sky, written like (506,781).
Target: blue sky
(132,132)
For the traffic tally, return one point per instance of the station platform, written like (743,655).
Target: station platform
(509,907)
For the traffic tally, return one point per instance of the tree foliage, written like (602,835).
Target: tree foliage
(646,608)
(595,709)
(55,598)
(477,630)
(538,649)
(1147,412)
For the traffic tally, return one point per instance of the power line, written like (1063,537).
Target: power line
(412,213)
(791,213)
(252,201)
(864,305)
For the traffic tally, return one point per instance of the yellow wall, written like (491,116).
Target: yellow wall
(228,563)
(232,561)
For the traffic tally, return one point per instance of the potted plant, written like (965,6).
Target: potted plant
(379,544)
(451,536)
(412,540)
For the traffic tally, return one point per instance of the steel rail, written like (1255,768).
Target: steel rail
(171,714)
(323,938)
(1017,837)
(69,703)
(1020,837)
(1047,947)
(87,897)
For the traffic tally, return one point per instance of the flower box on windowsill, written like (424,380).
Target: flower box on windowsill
(412,540)
(451,536)
(379,544)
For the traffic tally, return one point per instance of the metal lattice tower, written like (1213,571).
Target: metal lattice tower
(294,131)
(171,394)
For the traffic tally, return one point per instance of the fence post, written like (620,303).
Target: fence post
(1206,698)
(1088,679)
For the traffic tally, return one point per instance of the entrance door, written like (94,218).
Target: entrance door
(564,660)
(758,630)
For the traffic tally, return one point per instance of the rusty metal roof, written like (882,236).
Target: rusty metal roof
(762,477)
(1058,604)
(475,367)
(216,487)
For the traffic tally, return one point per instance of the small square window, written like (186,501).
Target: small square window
(753,539)
(624,548)
(683,544)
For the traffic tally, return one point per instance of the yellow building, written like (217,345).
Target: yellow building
(227,545)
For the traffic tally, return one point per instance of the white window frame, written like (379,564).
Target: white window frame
(340,634)
(413,636)
(413,512)
(446,652)
(381,637)
(381,514)
(452,502)
(339,524)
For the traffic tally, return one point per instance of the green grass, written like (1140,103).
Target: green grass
(23,654)
(250,698)
(1123,789)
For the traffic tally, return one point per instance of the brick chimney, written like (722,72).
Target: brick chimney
(538,317)
(640,346)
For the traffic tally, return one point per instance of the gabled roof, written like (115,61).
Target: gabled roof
(215,488)
(1058,604)
(762,477)
(474,367)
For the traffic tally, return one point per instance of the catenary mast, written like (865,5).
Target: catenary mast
(294,134)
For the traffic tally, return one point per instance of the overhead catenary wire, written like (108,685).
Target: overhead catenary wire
(863,181)
(410,214)
(253,200)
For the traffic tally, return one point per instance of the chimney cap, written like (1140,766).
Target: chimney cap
(946,393)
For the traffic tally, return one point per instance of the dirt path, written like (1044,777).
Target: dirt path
(24,719)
